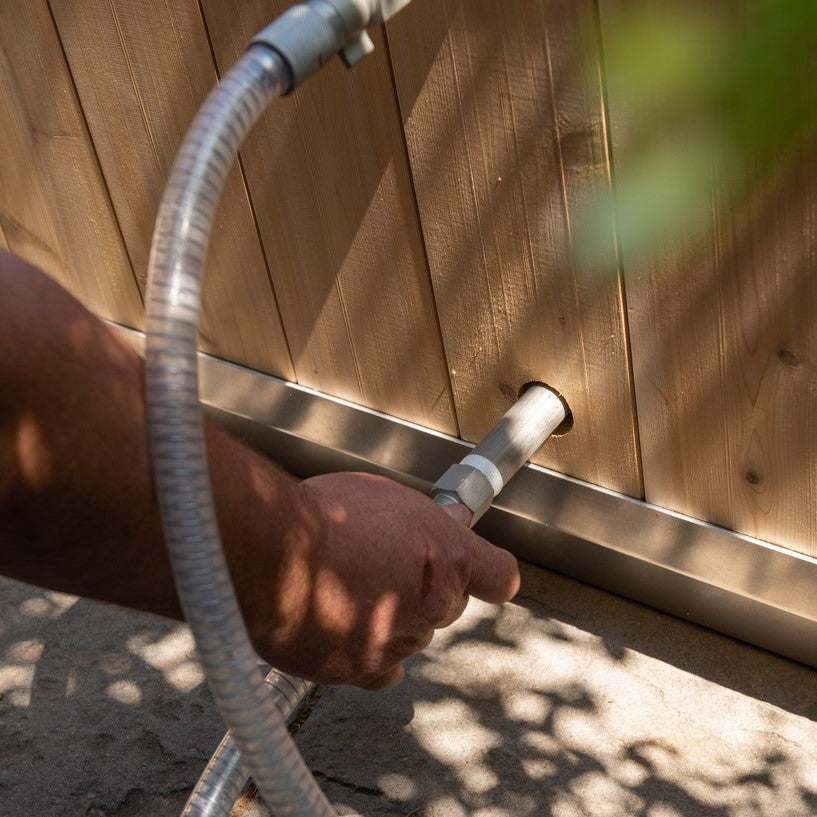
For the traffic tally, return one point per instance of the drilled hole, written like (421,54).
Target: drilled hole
(567,424)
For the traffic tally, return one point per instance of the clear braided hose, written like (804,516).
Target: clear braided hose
(223,779)
(180,466)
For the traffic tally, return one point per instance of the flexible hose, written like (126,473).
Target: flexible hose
(177,440)
(223,778)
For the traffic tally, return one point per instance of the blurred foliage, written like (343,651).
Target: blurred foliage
(706,99)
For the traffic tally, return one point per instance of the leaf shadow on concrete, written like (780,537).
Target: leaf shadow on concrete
(103,711)
(573,702)
(568,701)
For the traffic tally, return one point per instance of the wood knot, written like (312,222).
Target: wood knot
(753,478)
(788,358)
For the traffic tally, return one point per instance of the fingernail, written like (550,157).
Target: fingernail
(459,513)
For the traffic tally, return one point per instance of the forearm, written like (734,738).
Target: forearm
(340,578)
(77,505)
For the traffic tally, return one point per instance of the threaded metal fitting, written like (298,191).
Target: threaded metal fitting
(469,485)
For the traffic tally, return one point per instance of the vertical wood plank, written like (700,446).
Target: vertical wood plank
(54,207)
(506,138)
(141,73)
(724,342)
(329,179)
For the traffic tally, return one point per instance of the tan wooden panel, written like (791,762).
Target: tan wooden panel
(54,208)
(141,71)
(506,138)
(329,179)
(724,341)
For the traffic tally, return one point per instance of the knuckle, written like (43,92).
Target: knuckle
(410,644)
(436,608)
(462,565)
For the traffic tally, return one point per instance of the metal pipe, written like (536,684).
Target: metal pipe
(521,431)
(476,480)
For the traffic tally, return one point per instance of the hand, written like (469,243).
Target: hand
(386,568)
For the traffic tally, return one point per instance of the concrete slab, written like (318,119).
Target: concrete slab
(102,711)
(573,702)
(567,702)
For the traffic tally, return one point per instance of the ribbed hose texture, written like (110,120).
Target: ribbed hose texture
(177,441)
(223,779)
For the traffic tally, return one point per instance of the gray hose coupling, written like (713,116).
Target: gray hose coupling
(308,35)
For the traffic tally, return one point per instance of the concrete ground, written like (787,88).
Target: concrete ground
(567,702)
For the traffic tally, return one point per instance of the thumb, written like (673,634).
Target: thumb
(494,573)
(459,513)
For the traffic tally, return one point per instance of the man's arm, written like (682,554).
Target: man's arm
(340,577)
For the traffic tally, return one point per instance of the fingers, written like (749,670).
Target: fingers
(494,573)
(457,609)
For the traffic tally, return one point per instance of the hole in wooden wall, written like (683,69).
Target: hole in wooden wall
(567,424)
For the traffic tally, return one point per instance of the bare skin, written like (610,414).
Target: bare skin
(341,577)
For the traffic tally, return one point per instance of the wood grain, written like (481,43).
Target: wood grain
(141,72)
(724,342)
(54,207)
(506,137)
(329,179)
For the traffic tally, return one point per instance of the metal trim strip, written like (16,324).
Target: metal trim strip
(753,590)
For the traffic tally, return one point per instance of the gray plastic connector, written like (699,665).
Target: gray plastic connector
(309,34)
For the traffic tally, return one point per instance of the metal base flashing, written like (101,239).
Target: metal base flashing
(737,585)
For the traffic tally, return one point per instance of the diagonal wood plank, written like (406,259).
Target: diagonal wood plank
(329,179)
(141,74)
(54,207)
(506,136)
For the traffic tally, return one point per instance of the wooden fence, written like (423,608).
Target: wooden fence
(399,235)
